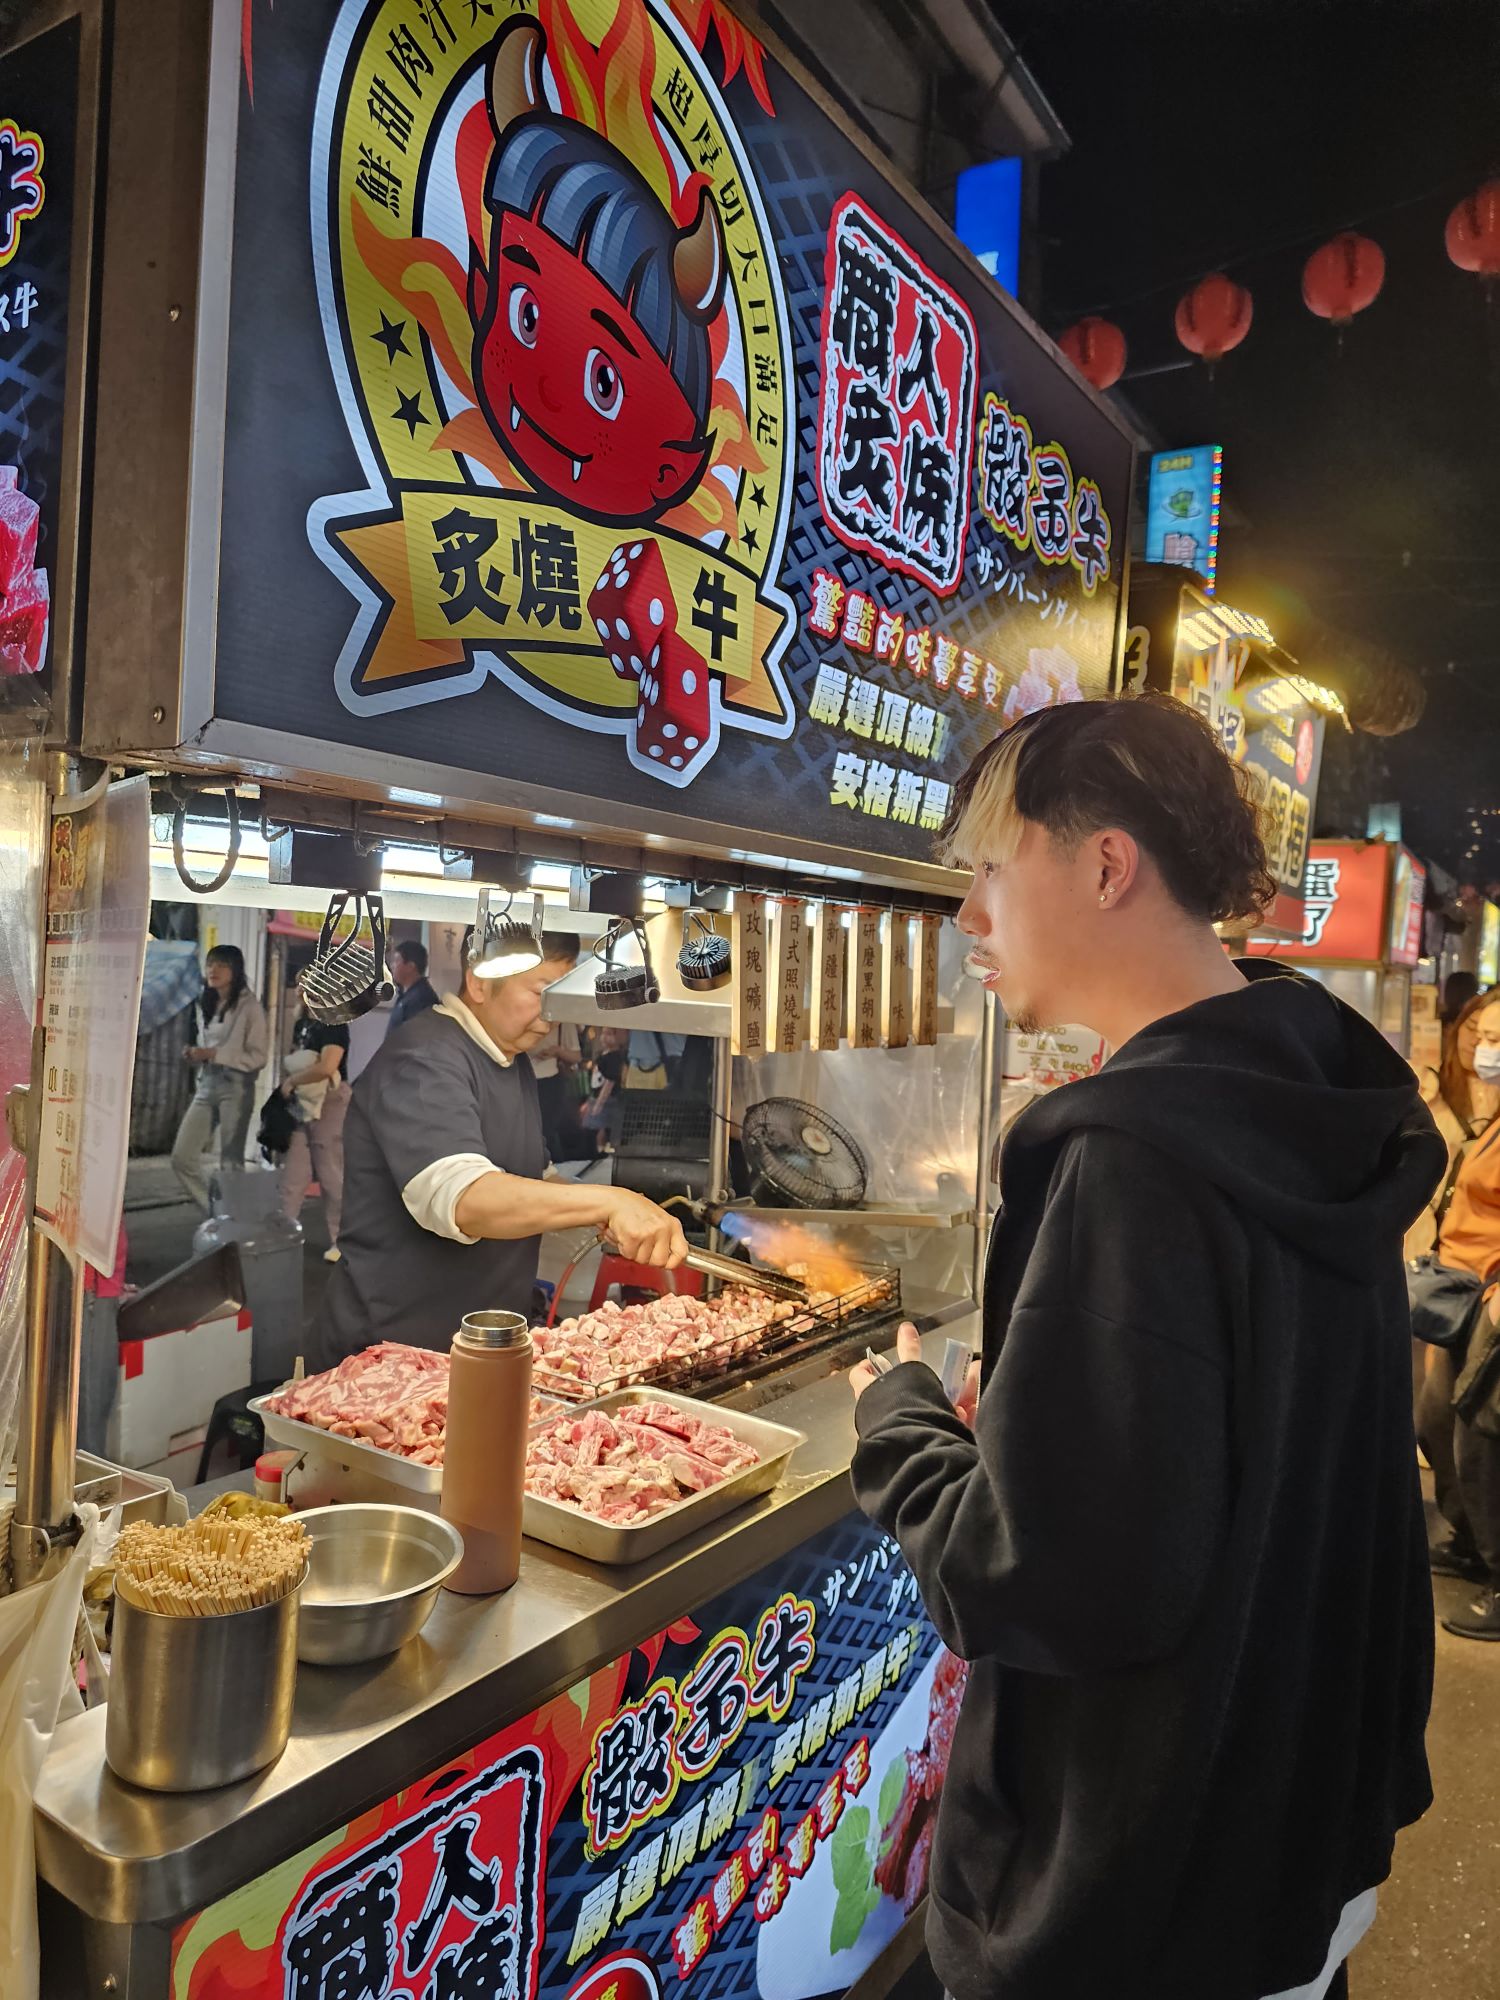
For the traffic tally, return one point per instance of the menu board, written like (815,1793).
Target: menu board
(621,429)
(740,1806)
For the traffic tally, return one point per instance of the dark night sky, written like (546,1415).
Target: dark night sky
(1238,134)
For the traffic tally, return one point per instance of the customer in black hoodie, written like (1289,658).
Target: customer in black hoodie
(1183,1544)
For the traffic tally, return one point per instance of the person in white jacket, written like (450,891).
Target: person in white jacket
(231,1053)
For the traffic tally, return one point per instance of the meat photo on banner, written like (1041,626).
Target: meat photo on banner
(740,1808)
(642,440)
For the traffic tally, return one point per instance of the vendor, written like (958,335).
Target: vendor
(444,1203)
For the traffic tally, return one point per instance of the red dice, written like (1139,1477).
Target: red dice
(674,722)
(631,606)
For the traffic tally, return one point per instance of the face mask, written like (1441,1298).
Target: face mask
(1487,1064)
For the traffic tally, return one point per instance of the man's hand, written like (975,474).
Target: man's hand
(643,1232)
(908,1348)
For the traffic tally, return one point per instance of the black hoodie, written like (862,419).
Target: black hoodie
(1184,1545)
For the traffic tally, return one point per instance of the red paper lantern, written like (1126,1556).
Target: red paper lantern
(1343,277)
(1473,232)
(1096,348)
(1214,316)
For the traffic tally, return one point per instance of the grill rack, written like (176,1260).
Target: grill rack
(743,1356)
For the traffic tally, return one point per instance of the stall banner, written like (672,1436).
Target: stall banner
(38,121)
(98,914)
(627,432)
(1408,907)
(1267,725)
(1346,905)
(1182,509)
(741,1806)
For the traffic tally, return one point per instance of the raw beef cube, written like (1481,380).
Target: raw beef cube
(632,609)
(675,716)
(23,625)
(19,515)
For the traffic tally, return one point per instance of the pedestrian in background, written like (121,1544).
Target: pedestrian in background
(228,1056)
(319,1092)
(414,990)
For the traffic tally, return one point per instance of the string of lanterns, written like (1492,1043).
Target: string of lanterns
(1341,279)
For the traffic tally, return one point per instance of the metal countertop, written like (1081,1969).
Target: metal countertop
(361,1733)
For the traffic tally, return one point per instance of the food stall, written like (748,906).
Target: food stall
(697,554)
(1269,714)
(1363,933)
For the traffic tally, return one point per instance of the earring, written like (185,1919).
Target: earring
(1103,898)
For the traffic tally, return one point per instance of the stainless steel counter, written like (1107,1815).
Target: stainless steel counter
(360,1733)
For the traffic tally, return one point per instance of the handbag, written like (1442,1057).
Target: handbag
(1444,1303)
(277,1124)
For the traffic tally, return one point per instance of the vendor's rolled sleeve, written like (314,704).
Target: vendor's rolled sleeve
(432,1196)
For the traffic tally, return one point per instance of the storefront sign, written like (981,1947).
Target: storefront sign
(1408,907)
(1182,509)
(98,906)
(742,1805)
(1346,906)
(38,119)
(756,505)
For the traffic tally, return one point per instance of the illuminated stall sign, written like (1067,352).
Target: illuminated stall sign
(1268,725)
(757,505)
(1408,907)
(1346,912)
(38,118)
(750,1792)
(1182,510)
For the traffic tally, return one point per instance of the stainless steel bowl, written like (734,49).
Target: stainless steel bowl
(374,1572)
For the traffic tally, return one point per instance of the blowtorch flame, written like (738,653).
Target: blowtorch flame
(798,1251)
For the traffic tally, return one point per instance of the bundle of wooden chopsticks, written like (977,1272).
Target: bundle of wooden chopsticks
(210,1566)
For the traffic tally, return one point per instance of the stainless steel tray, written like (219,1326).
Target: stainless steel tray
(368,1460)
(351,1453)
(604,1542)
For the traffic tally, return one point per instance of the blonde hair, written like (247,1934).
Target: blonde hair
(985,824)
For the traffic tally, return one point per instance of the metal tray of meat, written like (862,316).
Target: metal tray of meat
(346,1451)
(369,1460)
(605,1542)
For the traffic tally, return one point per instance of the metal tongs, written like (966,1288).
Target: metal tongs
(733,1271)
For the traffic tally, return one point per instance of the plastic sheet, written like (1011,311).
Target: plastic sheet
(23,850)
(37,1629)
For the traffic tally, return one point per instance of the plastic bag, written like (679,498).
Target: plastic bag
(23,851)
(36,1653)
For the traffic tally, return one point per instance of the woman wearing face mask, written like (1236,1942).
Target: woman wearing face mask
(1465,1462)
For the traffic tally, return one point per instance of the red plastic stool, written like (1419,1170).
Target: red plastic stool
(614,1270)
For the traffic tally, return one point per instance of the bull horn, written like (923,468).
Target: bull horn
(515,80)
(698,262)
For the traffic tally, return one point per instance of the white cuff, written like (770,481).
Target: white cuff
(432,1196)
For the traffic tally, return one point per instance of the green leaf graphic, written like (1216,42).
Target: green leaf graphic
(848,1922)
(892,1786)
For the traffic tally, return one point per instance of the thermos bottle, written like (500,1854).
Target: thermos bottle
(484,1459)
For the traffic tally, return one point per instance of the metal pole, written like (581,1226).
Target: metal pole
(47,1449)
(45,1522)
(719,1189)
(989,1043)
